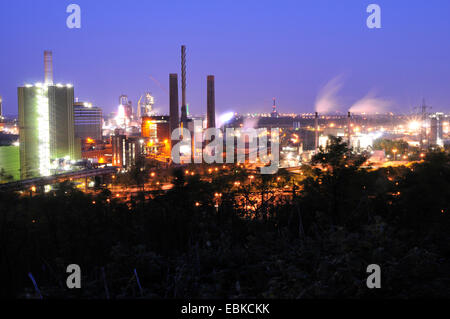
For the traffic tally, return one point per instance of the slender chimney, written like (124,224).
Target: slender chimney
(211,102)
(316,132)
(423,130)
(183,86)
(274,109)
(174,119)
(48,67)
(349,122)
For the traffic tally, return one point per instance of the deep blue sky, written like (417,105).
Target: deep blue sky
(256,49)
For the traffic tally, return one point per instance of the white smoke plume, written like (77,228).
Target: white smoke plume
(370,104)
(327,98)
(250,123)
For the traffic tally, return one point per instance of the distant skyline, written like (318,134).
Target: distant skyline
(257,50)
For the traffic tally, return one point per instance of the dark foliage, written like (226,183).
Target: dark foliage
(316,245)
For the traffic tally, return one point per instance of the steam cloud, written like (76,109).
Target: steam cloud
(326,99)
(250,123)
(370,105)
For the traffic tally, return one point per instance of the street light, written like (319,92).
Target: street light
(395,152)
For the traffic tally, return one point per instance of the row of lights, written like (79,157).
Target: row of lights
(40,85)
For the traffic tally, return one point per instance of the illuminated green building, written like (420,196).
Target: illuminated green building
(9,164)
(46,122)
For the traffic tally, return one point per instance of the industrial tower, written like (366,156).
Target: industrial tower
(274,109)
(423,129)
(183,87)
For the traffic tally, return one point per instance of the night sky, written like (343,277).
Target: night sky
(256,49)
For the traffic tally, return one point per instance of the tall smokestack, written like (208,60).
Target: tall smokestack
(48,67)
(349,122)
(316,132)
(174,119)
(183,86)
(274,109)
(211,102)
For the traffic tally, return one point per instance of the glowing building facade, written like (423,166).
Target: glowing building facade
(126,150)
(9,163)
(156,132)
(436,129)
(88,121)
(46,122)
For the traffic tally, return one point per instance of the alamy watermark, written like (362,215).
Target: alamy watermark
(239,144)
(74,19)
(374,280)
(74,279)
(374,20)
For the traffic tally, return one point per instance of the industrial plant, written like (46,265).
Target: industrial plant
(237,158)
(58,133)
